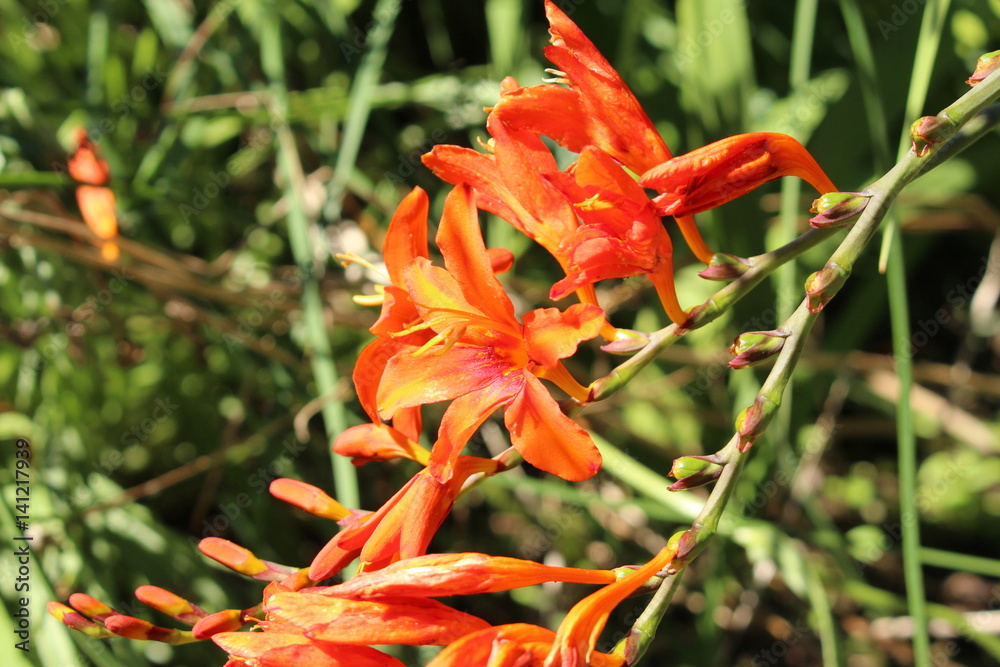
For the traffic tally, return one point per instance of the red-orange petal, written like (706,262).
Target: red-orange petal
(548,439)
(413,621)
(551,334)
(406,237)
(443,575)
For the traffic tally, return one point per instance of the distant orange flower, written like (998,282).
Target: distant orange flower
(96,202)
(722,171)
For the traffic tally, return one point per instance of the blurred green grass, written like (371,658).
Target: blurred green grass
(159,405)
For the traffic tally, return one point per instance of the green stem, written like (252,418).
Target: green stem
(321,357)
(761,266)
(883,193)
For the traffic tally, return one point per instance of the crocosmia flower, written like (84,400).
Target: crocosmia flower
(481,356)
(597,109)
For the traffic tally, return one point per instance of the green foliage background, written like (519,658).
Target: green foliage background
(160,403)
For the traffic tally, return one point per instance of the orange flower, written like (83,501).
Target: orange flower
(580,630)
(722,171)
(621,236)
(96,202)
(598,109)
(403,527)
(481,357)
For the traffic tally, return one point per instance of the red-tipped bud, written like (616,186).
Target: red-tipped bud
(227,620)
(626,341)
(694,471)
(169,603)
(985,66)
(754,347)
(823,285)
(689,544)
(309,498)
(77,621)
(242,560)
(753,421)
(136,628)
(930,131)
(90,607)
(725,267)
(837,209)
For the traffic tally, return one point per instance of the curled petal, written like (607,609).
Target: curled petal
(722,171)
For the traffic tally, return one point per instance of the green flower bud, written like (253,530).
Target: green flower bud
(753,347)
(837,209)
(985,66)
(694,471)
(752,421)
(626,341)
(725,267)
(823,285)
(930,131)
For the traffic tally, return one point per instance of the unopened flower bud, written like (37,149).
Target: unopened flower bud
(694,471)
(308,497)
(689,544)
(136,628)
(169,603)
(626,341)
(985,66)
(75,620)
(837,209)
(725,267)
(930,131)
(242,560)
(823,285)
(227,620)
(753,421)
(753,347)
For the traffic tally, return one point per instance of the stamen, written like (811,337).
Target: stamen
(353,258)
(376,299)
